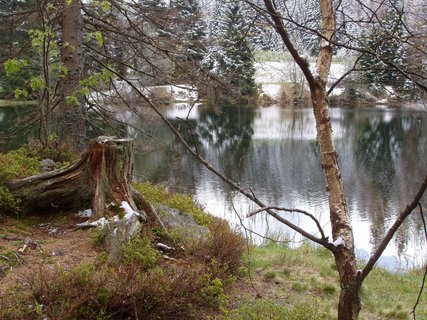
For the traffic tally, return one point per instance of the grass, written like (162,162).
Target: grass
(302,283)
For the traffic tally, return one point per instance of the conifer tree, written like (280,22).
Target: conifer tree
(193,29)
(384,43)
(234,58)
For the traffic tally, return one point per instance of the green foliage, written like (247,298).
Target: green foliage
(182,202)
(21,93)
(37,83)
(8,203)
(213,292)
(72,100)
(12,66)
(103,5)
(18,164)
(99,38)
(141,251)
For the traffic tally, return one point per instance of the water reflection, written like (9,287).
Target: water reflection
(274,152)
(12,119)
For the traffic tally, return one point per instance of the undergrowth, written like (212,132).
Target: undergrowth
(144,284)
(182,202)
(18,164)
(25,162)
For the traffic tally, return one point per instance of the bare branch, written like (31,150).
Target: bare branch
(321,241)
(345,75)
(312,217)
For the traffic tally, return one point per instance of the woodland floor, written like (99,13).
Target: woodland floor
(282,282)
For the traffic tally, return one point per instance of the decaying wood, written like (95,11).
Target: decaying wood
(102,176)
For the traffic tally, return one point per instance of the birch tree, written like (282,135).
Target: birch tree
(342,244)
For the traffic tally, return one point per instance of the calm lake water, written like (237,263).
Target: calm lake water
(273,151)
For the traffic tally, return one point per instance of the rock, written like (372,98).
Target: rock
(47,165)
(181,222)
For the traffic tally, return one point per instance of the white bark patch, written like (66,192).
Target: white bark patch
(85,213)
(128,210)
(338,242)
(98,223)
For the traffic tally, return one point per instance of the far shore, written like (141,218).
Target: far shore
(14,103)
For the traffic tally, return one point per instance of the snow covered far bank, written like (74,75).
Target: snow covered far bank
(274,72)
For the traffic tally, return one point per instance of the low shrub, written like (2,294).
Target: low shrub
(18,164)
(223,249)
(61,154)
(8,203)
(171,291)
(141,251)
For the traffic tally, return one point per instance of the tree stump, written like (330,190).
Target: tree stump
(102,176)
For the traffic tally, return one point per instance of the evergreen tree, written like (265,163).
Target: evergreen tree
(307,15)
(193,29)
(233,59)
(384,42)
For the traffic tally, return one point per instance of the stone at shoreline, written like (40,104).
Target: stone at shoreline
(180,221)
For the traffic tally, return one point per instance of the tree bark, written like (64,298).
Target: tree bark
(72,116)
(102,176)
(345,259)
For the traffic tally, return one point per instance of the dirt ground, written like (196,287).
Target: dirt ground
(27,244)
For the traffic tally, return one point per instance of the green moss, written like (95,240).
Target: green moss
(18,164)
(182,202)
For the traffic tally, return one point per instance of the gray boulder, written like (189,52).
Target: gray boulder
(183,223)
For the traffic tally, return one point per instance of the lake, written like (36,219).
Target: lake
(273,151)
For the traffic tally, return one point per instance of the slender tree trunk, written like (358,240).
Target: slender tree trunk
(345,260)
(349,302)
(72,116)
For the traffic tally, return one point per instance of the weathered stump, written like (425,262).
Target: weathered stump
(102,176)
